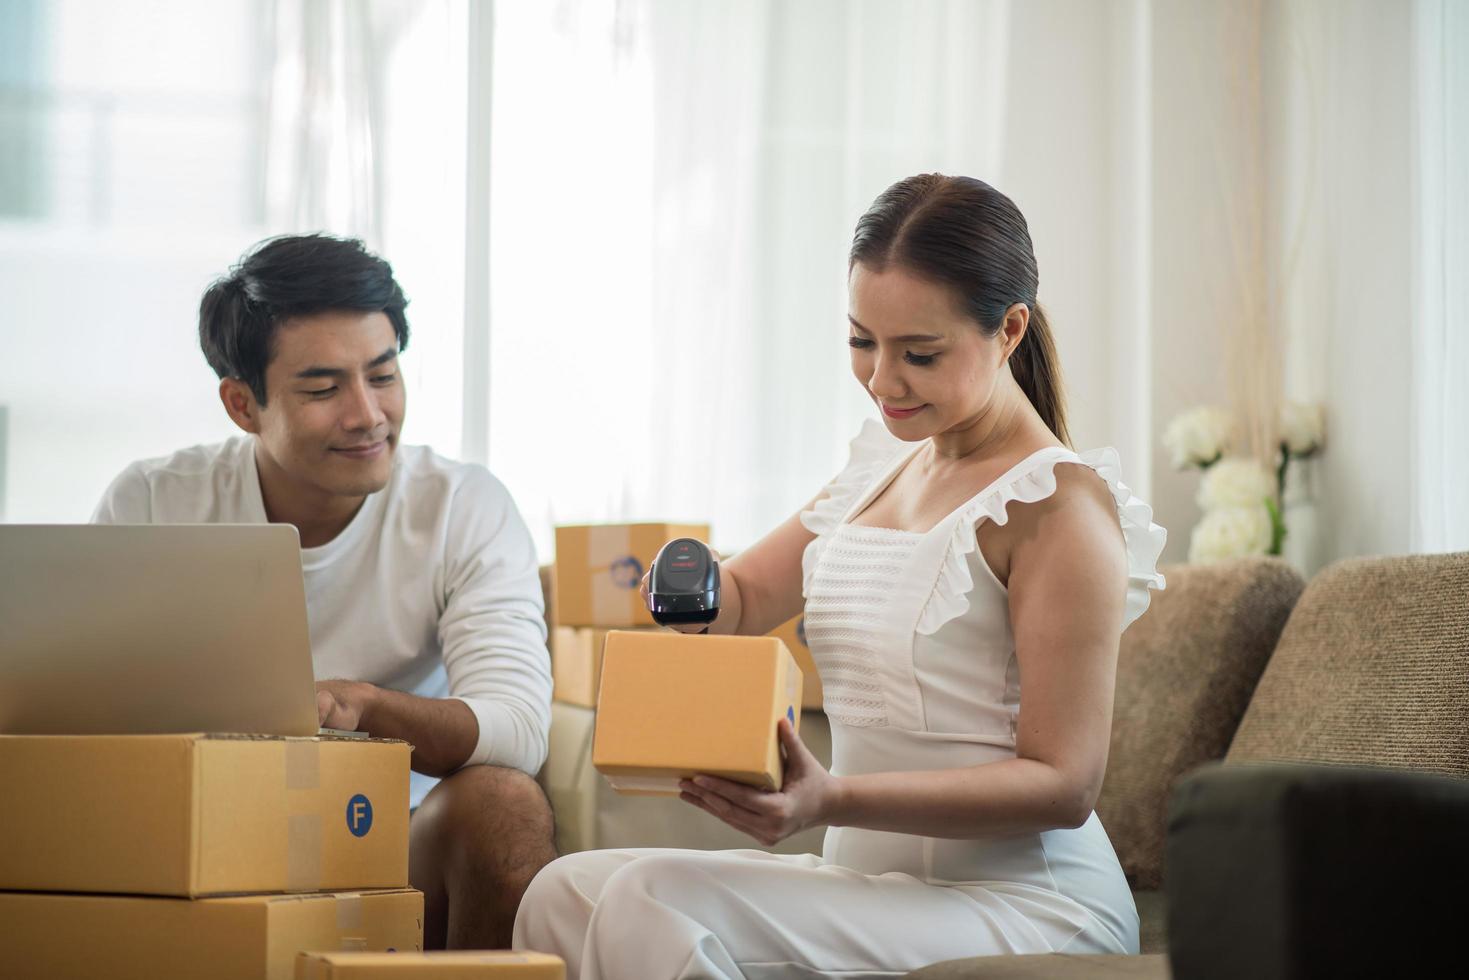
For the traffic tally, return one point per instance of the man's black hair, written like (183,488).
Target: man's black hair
(281,278)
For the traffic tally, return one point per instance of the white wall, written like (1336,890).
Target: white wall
(1192,307)
(1333,128)
(1350,306)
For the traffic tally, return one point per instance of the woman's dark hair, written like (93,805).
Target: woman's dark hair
(962,233)
(280,278)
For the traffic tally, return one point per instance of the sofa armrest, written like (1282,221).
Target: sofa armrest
(1278,870)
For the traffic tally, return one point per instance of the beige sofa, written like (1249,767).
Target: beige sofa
(1370,676)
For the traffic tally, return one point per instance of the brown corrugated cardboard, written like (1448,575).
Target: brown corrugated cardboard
(458,965)
(793,634)
(252,937)
(576,664)
(590,814)
(598,568)
(674,705)
(194,815)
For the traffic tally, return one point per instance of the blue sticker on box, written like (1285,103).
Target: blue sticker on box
(791,714)
(626,572)
(359,815)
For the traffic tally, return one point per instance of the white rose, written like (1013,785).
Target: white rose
(1231,532)
(1238,481)
(1198,437)
(1302,428)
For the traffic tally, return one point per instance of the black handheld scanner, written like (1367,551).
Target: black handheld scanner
(684,585)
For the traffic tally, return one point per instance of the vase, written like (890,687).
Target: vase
(1302,546)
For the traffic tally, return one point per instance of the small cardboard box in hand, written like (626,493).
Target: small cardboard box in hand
(674,705)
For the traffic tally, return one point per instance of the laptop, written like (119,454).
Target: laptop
(159,628)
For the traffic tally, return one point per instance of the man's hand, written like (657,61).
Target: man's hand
(343,704)
(809,795)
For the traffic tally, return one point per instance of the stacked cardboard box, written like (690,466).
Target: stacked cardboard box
(595,588)
(600,566)
(200,855)
(499,965)
(576,664)
(594,597)
(590,814)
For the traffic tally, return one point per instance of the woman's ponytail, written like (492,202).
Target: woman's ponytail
(1037,369)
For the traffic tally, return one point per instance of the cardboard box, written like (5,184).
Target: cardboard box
(674,705)
(576,664)
(793,634)
(590,814)
(194,815)
(459,965)
(252,937)
(599,566)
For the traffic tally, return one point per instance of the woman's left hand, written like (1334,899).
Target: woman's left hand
(806,796)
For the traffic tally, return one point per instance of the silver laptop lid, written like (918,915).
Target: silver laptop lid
(136,629)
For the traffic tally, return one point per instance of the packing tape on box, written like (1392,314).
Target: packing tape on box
(303,831)
(615,572)
(303,853)
(349,923)
(349,912)
(303,763)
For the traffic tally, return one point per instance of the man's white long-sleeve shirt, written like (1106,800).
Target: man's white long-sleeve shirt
(432,588)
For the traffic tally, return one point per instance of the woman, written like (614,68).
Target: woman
(966,579)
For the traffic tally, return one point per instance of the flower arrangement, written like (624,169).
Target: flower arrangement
(1242,500)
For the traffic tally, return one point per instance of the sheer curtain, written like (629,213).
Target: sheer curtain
(672,186)
(674,189)
(129,175)
(1441,314)
(1367,152)
(365,137)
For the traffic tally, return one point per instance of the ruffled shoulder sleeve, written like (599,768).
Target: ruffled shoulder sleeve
(872,450)
(1142,538)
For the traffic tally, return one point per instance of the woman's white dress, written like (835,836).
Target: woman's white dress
(911,635)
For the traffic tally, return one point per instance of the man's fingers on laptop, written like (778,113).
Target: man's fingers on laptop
(335,706)
(325,705)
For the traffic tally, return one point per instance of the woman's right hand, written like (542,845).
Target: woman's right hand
(681,627)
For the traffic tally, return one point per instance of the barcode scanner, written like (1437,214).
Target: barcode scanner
(684,585)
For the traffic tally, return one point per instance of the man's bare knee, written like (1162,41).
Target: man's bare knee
(482,809)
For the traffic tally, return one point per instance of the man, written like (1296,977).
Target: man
(421,580)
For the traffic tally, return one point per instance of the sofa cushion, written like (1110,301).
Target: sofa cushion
(1184,675)
(1152,921)
(1372,669)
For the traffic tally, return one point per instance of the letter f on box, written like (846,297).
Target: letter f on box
(359,815)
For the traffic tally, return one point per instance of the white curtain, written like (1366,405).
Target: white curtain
(1367,147)
(136,150)
(1230,202)
(324,128)
(1328,137)
(1441,254)
(675,186)
(365,137)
